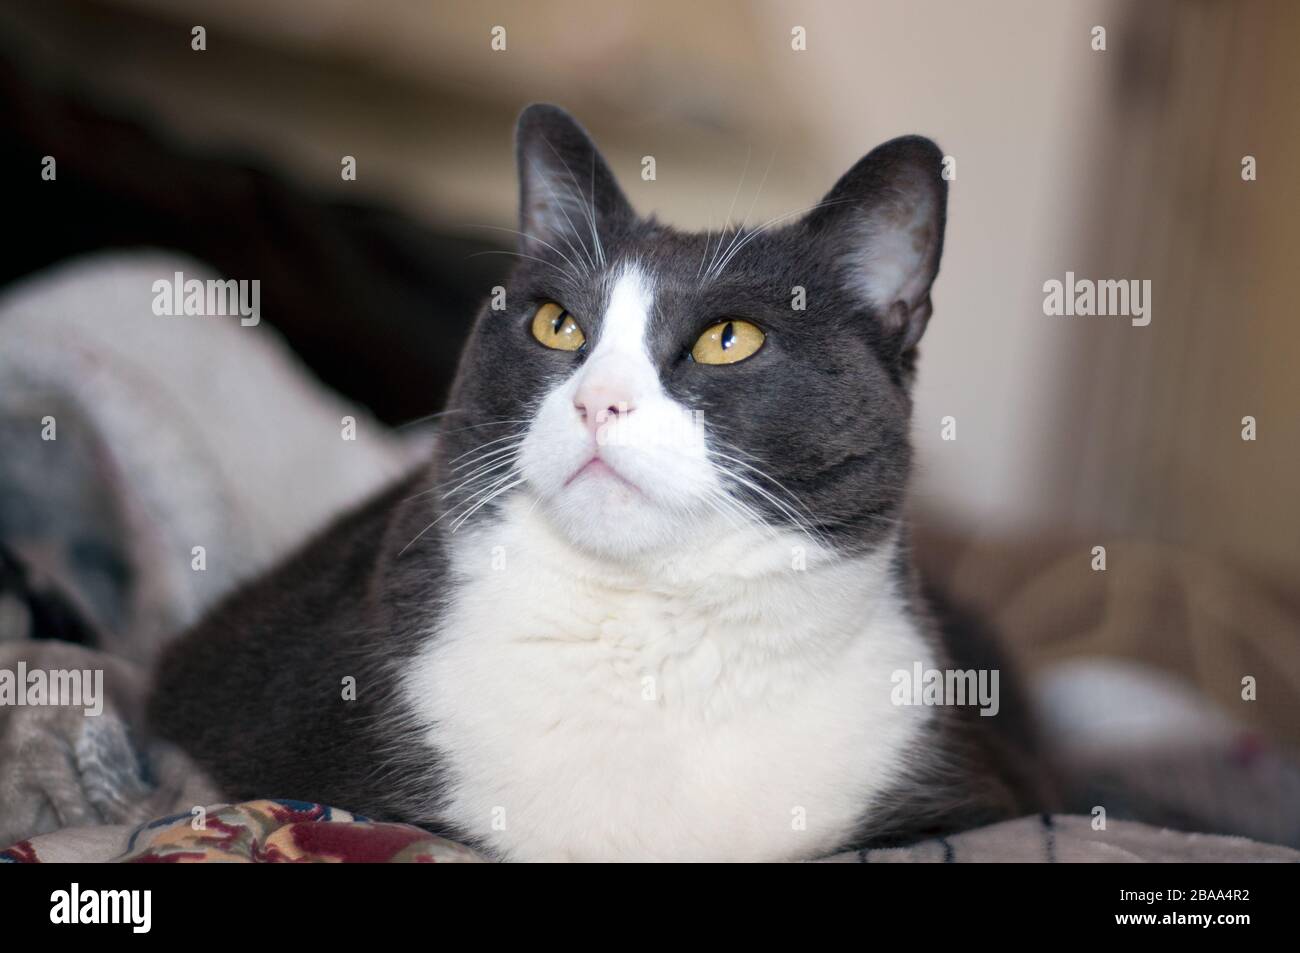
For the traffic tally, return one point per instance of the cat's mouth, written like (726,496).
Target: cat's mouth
(598,468)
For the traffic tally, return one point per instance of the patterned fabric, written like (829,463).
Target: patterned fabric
(270,832)
(298,832)
(22,852)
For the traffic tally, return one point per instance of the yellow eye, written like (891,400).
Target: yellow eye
(727,342)
(555,328)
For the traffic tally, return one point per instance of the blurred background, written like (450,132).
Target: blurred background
(1072,433)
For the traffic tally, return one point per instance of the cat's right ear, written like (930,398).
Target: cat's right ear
(567,194)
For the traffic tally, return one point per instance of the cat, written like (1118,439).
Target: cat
(646,600)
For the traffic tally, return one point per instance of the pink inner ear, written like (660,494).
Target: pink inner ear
(897,253)
(883,223)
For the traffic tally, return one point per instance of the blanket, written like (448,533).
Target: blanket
(135,442)
(276,832)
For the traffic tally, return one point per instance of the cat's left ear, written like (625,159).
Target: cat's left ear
(567,194)
(881,227)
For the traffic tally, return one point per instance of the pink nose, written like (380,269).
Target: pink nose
(599,402)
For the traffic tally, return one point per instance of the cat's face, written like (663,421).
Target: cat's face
(646,386)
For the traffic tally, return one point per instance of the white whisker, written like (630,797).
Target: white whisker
(749,154)
(514,231)
(741,230)
(563,211)
(589,208)
(548,264)
(486,500)
(717,272)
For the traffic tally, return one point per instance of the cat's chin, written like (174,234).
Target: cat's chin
(607,515)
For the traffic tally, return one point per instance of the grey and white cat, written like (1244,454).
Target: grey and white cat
(646,600)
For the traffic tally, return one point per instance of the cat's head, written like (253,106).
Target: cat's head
(645,386)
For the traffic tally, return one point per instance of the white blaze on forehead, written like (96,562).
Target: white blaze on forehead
(627,316)
(620,366)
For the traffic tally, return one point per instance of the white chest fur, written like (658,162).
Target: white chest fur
(725,705)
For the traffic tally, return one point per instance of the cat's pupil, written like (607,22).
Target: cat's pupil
(728,336)
(558,322)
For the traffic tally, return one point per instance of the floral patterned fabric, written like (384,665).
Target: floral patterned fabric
(269,832)
(297,832)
